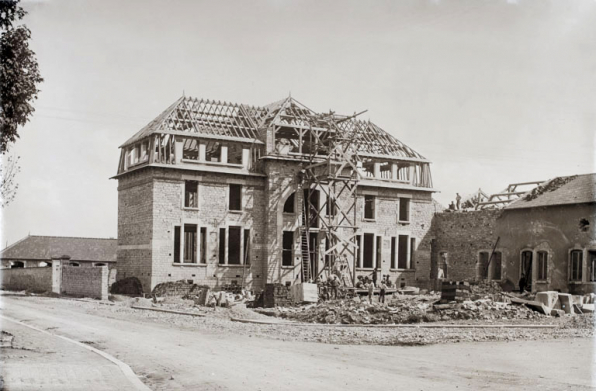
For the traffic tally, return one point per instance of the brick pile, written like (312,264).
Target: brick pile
(458,291)
(276,295)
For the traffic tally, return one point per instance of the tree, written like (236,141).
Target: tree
(8,185)
(19,74)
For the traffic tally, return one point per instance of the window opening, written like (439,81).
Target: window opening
(287,250)
(542,265)
(190,243)
(369,207)
(235,197)
(191,194)
(289,204)
(234,245)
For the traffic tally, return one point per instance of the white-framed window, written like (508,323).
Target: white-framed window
(542,265)
(191,194)
(404,209)
(369,207)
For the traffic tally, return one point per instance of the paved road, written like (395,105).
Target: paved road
(37,361)
(167,357)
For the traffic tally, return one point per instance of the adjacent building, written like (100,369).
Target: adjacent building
(547,236)
(39,251)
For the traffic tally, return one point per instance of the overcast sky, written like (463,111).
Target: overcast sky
(492,92)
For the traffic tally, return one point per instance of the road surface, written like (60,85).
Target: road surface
(169,357)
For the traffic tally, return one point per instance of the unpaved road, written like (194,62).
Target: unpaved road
(169,357)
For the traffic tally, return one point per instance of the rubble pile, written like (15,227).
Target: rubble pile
(179,288)
(485,309)
(356,311)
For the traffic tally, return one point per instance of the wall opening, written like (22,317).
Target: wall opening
(584,225)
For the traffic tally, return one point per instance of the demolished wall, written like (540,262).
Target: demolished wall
(462,236)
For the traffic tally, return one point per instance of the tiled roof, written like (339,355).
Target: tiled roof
(46,247)
(579,189)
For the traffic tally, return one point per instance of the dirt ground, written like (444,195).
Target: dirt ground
(171,352)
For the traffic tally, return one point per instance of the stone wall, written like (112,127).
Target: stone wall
(85,281)
(462,236)
(135,226)
(35,279)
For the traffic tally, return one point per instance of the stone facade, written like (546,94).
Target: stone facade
(151,205)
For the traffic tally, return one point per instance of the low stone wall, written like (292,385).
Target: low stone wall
(85,281)
(34,279)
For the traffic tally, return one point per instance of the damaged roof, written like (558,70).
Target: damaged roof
(575,189)
(243,122)
(48,247)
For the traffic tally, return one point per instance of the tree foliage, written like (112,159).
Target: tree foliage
(19,73)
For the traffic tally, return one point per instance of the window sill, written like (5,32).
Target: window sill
(288,266)
(235,211)
(212,163)
(190,208)
(402,270)
(542,281)
(369,220)
(403,222)
(366,269)
(289,214)
(576,282)
(189,264)
(232,266)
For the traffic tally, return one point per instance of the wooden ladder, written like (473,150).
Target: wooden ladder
(305,248)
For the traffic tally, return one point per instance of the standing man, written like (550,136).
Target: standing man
(457,200)
(382,292)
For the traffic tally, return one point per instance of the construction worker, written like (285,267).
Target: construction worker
(334,283)
(371,291)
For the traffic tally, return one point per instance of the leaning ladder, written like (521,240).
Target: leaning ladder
(305,248)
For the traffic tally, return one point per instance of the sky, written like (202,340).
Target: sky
(491,91)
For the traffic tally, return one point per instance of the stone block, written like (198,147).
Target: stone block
(588,308)
(566,303)
(549,298)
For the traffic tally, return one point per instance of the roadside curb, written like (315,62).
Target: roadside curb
(126,370)
(410,325)
(168,311)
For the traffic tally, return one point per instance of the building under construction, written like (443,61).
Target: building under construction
(221,193)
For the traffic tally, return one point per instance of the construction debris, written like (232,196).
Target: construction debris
(127,286)
(550,186)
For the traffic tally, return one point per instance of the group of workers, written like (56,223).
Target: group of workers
(332,284)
